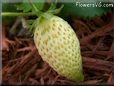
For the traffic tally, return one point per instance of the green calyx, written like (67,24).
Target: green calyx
(44,15)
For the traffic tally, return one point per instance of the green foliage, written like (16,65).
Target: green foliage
(8,7)
(25,6)
(70,9)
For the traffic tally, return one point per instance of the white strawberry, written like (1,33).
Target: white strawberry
(59,46)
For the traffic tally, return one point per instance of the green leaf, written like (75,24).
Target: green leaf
(25,6)
(39,5)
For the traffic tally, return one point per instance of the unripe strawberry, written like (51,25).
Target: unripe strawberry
(59,46)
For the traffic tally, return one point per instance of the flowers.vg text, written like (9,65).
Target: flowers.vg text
(99,4)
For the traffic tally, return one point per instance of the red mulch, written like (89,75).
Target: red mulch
(23,65)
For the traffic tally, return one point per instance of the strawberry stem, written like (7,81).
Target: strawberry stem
(17,14)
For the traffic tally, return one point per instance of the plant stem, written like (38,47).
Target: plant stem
(17,14)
